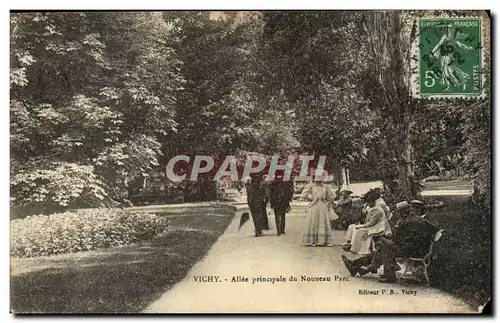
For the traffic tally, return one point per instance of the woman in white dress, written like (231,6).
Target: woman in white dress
(318,231)
(359,237)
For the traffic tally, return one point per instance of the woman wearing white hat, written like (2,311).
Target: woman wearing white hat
(318,231)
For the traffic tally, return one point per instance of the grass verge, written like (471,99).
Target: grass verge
(115,280)
(463,263)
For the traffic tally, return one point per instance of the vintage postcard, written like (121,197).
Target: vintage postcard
(250,162)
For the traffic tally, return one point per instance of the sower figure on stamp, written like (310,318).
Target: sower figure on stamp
(451,74)
(281,195)
(257,199)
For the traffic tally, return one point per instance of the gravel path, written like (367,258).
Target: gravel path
(241,256)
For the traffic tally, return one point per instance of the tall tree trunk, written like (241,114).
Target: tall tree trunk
(390,43)
(405,167)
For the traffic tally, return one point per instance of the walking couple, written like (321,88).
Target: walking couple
(279,193)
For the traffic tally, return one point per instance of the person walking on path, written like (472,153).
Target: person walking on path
(281,194)
(266,184)
(318,230)
(257,199)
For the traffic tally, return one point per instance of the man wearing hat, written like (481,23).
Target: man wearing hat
(403,210)
(412,236)
(418,208)
(281,194)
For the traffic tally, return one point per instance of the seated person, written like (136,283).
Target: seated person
(412,237)
(418,207)
(344,209)
(403,209)
(364,218)
(381,202)
(354,266)
(359,236)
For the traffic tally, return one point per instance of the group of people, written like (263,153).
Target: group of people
(262,192)
(383,236)
(279,194)
(376,215)
(376,235)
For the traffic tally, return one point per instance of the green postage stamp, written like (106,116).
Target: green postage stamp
(451,57)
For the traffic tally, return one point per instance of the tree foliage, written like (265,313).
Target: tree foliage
(477,160)
(216,109)
(348,77)
(99,100)
(92,95)
(322,80)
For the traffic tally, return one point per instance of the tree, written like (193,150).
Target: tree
(321,80)
(389,36)
(221,109)
(477,160)
(215,109)
(92,94)
(438,140)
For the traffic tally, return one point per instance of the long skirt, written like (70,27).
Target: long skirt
(452,75)
(318,230)
(359,239)
(258,215)
(265,220)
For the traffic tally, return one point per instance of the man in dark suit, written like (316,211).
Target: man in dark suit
(418,207)
(281,194)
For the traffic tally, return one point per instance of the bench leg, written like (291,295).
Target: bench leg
(407,264)
(425,273)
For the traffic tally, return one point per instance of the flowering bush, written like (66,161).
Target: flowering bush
(58,233)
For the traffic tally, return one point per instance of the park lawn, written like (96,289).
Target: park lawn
(448,185)
(115,280)
(463,263)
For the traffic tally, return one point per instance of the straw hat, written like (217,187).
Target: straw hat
(402,205)
(346,190)
(417,203)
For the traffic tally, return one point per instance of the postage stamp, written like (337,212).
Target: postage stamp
(450,57)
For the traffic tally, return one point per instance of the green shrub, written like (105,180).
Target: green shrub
(59,233)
